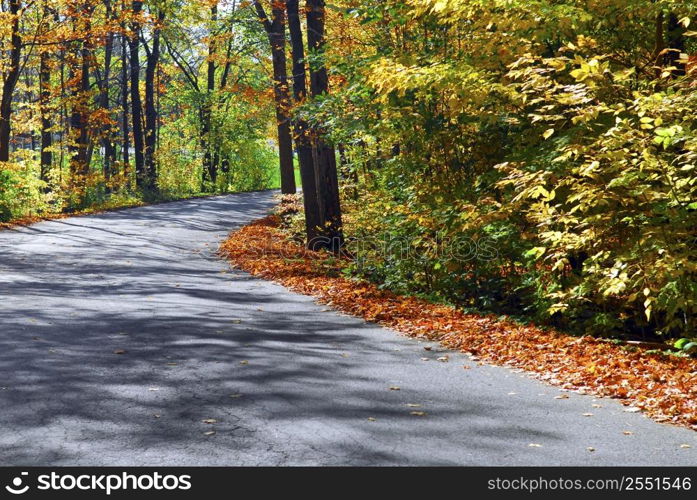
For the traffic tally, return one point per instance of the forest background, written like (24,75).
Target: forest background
(557,134)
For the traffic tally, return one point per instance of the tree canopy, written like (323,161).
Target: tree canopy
(536,157)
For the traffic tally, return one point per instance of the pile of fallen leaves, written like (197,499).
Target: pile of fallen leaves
(663,386)
(29,220)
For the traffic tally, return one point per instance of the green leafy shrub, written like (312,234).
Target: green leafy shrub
(21,193)
(557,136)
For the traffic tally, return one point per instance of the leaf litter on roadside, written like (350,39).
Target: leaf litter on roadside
(665,387)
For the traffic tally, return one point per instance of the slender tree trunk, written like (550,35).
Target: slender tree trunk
(79,147)
(277,38)
(74,118)
(63,115)
(676,45)
(300,127)
(210,168)
(45,110)
(29,97)
(85,59)
(136,105)
(46,156)
(209,173)
(276,31)
(224,161)
(151,117)
(9,82)
(158,107)
(126,143)
(325,156)
(659,43)
(107,139)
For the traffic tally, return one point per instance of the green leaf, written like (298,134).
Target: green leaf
(680,343)
(536,252)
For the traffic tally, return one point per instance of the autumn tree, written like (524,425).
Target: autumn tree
(10,73)
(276,32)
(151,114)
(80,61)
(142,178)
(104,85)
(313,221)
(323,152)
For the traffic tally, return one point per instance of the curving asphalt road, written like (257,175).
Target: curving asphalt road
(121,333)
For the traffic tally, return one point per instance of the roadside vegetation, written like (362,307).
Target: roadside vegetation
(527,158)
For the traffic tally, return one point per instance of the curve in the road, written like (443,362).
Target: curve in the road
(124,340)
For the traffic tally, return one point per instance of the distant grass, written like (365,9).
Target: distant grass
(275,181)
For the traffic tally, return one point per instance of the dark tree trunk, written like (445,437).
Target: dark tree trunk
(45,110)
(209,173)
(325,156)
(86,55)
(223,161)
(63,113)
(136,105)
(9,82)
(107,139)
(46,156)
(276,31)
(659,43)
(126,144)
(676,45)
(151,117)
(210,167)
(302,140)
(79,150)
(29,97)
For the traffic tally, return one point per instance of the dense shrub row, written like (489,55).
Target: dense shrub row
(559,136)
